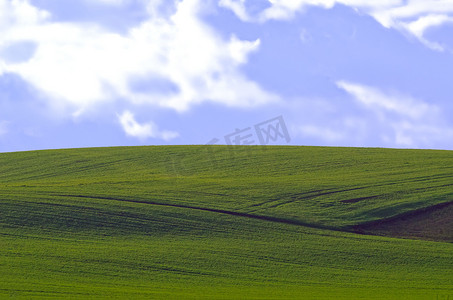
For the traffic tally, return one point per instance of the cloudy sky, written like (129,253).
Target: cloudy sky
(86,73)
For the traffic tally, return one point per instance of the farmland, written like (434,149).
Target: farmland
(225,222)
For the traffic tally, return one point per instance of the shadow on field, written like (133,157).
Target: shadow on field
(434,223)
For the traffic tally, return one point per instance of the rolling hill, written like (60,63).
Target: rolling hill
(223,222)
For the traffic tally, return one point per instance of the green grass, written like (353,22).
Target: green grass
(219,222)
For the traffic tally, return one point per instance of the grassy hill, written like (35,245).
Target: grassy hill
(226,222)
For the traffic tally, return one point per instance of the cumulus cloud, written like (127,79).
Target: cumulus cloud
(19,13)
(412,17)
(81,65)
(403,120)
(143,131)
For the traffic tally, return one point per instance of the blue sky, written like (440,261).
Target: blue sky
(89,73)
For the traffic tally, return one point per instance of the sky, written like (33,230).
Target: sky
(96,73)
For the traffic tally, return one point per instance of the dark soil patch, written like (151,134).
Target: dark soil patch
(433,223)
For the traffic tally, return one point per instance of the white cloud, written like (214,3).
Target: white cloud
(410,16)
(376,99)
(82,65)
(145,130)
(380,118)
(402,120)
(239,50)
(19,13)
(408,10)
(419,27)
(238,7)
(286,9)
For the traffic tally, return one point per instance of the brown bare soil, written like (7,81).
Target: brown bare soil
(434,223)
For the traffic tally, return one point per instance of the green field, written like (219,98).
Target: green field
(218,222)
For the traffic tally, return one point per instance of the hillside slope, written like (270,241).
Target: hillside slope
(332,187)
(222,222)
